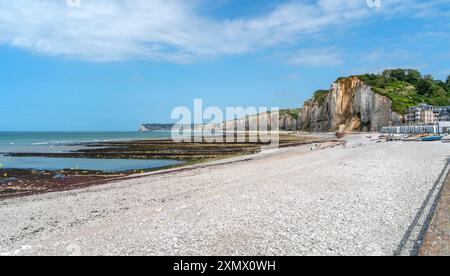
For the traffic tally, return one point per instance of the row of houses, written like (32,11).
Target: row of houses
(427,114)
(423,119)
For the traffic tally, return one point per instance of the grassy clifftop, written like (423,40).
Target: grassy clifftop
(407,88)
(294,113)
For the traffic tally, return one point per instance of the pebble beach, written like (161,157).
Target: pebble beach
(363,197)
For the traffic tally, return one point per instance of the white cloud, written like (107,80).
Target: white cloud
(315,57)
(168,30)
(382,55)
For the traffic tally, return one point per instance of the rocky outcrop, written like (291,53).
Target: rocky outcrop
(349,106)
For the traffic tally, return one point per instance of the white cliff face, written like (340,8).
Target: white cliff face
(286,122)
(143,129)
(350,106)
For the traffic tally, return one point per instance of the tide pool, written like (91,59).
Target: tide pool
(106,165)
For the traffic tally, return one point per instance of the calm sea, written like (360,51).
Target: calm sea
(48,142)
(61,141)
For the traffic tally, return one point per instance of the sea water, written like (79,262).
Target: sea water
(61,141)
(53,142)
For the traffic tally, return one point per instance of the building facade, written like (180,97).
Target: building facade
(423,119)
(444,115)
(425,114)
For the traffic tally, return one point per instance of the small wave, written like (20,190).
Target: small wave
(63,142)
(56,143)
(76,142)
(40,143)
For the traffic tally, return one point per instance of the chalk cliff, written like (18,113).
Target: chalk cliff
(288,120)
(350,105)
(155,127)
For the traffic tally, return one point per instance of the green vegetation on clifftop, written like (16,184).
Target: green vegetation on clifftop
(407,88)
(320,96)
(294,113)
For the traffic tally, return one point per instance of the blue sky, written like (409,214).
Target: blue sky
(112,65)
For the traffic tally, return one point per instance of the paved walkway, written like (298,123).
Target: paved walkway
(437,241)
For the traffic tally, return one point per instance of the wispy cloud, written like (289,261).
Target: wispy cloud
(171,30)
(381,54)
(292,77)
(315,57)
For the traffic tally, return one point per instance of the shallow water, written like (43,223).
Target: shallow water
(106,165)
(50,142)
(55,142)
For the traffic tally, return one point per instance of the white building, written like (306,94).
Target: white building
(423,114)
